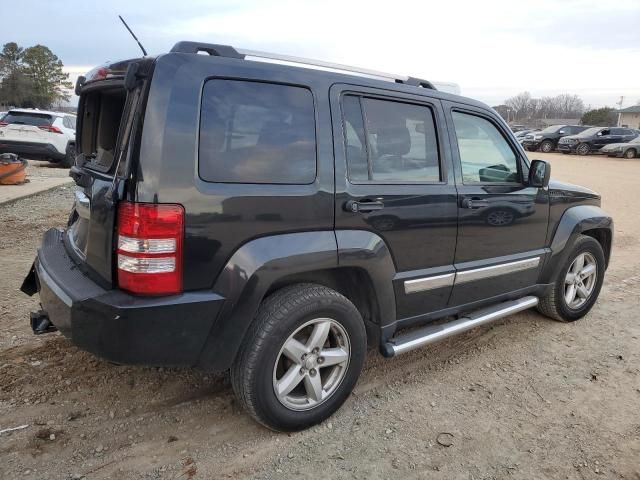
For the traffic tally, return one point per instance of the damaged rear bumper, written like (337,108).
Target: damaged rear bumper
(123,328)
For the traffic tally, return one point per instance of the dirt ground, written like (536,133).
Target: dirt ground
(526,398)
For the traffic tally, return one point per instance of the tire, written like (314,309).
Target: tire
(583,149)
(631,153)
(554,304)
(547,146)
(262,364)
(69,159)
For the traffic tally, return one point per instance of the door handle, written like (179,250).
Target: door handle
(363,206)
(474,203)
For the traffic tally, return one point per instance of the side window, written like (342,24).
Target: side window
(389,141)
(485,155)
(252,132)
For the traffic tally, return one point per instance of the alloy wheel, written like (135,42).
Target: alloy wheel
(631,153)
(580,280)
(311,364)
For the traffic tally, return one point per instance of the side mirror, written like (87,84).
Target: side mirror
(561,132)
(539,174)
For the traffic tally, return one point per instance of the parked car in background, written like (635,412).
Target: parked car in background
(547,140)
(39,134)
(522,133)
(517,128)
(627,150)
(594,138)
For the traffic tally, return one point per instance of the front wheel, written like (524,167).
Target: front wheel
(546,146)
(583,149)
(631,153)
(578,284)
(301,357)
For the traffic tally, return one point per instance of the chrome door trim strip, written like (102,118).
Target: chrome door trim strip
(429,283)
(496,270)
(455,278)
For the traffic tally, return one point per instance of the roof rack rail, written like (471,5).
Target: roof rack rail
(230,52)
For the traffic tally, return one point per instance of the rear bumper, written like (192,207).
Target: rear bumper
(31,149)
(123,328)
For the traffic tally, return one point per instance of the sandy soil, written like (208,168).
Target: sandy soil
(526,398)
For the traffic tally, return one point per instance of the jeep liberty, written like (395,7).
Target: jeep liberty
(276,217)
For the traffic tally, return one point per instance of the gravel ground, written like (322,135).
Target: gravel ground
(525,398)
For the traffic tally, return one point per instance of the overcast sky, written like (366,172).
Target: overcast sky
(492,48)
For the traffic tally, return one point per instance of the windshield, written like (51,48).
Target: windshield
(589,132)
(552,129)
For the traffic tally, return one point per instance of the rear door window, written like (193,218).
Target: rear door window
(390,142)
(28,118)
(254,132)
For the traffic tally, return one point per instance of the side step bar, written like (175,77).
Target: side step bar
(434,333)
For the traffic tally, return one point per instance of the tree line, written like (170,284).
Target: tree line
(32,77)
(523,108)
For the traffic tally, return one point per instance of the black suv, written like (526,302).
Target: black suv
(234,214)
(547,140)
(594,138)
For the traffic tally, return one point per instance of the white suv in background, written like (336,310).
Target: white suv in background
(39,134)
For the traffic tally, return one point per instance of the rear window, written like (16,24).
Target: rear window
(253,132)
(101,114)
(28,118)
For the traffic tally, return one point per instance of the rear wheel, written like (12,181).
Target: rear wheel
(583,149)
(631,153)
(69,159)
(546,146)
(578,284)
(301,357)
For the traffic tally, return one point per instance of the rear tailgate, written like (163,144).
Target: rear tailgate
(109,120)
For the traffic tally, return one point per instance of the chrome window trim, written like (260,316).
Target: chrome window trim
(455,278)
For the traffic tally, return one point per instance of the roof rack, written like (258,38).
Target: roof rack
(230,52)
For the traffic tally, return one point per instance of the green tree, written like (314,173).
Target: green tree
(10,59)
(600,117)
(44,70)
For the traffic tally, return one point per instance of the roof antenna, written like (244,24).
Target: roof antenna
(133,35)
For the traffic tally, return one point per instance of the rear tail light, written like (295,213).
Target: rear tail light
(50,129)
(3,124)
(150,247)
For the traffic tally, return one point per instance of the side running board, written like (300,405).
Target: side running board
(434,333)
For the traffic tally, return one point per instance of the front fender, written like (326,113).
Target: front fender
(574,222)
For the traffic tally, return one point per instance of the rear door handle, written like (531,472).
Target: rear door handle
(474,203)
(363,206)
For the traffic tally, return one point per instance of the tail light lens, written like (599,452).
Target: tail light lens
(50,129)
(3,124)
(150,247)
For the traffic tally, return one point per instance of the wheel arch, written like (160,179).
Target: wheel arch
(350,263)
(579,220)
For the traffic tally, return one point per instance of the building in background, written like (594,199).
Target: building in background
(629,117)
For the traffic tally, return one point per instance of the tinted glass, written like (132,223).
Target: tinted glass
(28,118)
(485,155)
(397,143)
(254,132)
